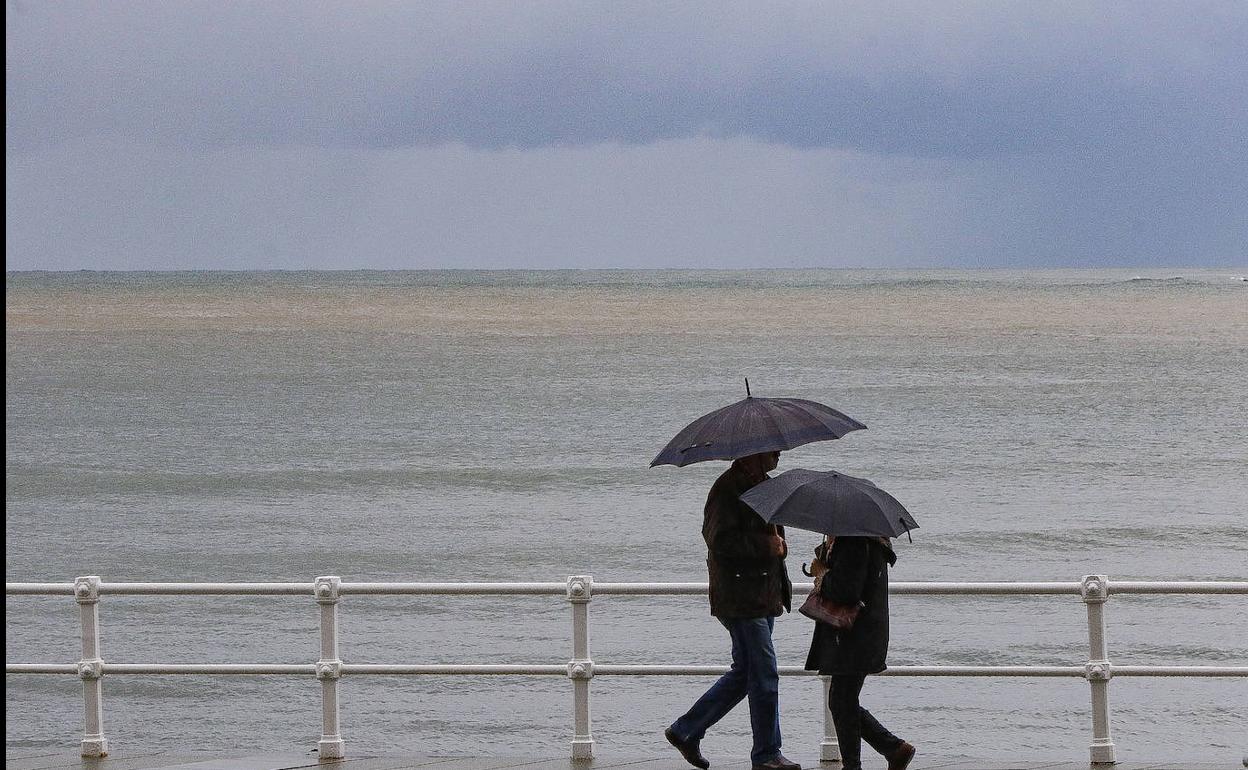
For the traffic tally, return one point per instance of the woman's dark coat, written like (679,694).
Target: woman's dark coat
(857,571)
(746,580)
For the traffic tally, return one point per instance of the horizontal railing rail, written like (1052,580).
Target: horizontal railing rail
(608,589)
(578,590)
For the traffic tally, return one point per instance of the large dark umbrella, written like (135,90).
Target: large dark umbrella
(752,426)
(830,503)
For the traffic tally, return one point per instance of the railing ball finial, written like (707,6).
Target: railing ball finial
(581,669)
(580,588)
(87,589)
(1098,671)
(90,669)
(329,669)
(1094,588)
(325,588)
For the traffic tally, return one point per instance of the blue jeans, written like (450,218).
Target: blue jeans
(753,675)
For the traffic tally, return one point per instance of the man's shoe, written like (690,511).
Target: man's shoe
(777,762)
(899,758)
(688,749)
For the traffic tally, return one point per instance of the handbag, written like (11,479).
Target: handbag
(822,610)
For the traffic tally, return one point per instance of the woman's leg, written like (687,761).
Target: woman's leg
(846,715)
(855,724)
(876,734)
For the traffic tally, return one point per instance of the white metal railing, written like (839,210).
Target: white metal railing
(578,590)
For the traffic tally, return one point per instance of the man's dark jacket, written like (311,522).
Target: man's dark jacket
(857,571)
(746,580)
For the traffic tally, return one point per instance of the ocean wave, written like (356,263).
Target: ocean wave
(979,656)
(1120,538)
(670,278)
(32,483)
(1206,280)
(1127,654)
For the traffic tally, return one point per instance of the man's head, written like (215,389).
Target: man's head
(761,463)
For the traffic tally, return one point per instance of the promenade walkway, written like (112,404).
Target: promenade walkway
(69,760)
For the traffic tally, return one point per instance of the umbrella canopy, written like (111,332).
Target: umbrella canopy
(752,426)
(830,503)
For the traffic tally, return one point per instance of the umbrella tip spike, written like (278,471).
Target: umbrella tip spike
(747,388)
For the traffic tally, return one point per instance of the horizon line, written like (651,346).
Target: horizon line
(991,268)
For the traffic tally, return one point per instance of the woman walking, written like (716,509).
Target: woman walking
(857,572)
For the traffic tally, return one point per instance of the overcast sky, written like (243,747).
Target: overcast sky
(262,135)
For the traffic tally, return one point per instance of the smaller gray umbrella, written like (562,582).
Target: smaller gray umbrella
(831,503)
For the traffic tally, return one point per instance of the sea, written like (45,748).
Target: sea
(1040,425)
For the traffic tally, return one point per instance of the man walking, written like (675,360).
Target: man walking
(749,587)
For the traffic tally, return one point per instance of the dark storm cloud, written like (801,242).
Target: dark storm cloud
(592,134)
(939,78)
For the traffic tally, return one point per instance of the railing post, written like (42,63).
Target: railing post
(581,667)
(1095,591)
(91,667)
(829,749)
(329,667)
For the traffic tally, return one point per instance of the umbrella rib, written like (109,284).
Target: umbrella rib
(828,417)
(736,428)
(692,434)
(818,415)
(784,437)
(724,418)
(805,434)
(712,425)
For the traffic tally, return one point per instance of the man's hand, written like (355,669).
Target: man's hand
(778,546)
